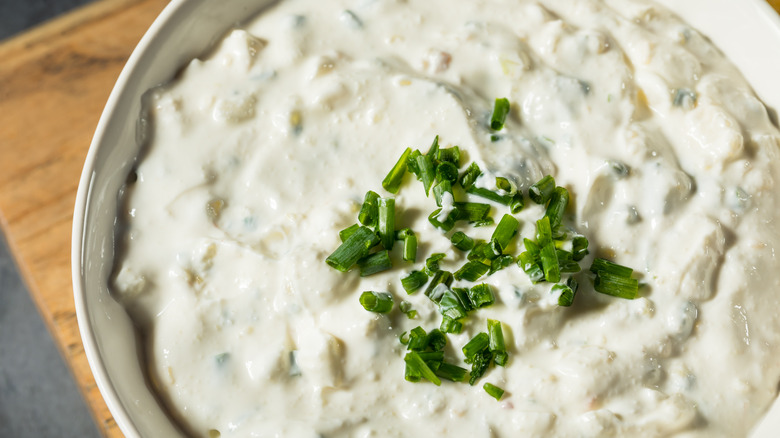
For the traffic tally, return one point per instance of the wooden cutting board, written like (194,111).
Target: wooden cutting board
(54,81)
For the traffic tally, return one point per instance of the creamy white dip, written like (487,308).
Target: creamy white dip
(259,153)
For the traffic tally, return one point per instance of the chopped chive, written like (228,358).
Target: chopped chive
(484,223)
(449,325)
(346,232)
(463,296)
(450,306)
(369,211)
(433,151)
(436,340)
(478,252)
(500,111)
(411,163)
(461,241)
(446,171)
(414,281)
(493,391)
(479,364)
(568,292)
(440,189)
(406,309)
(411,374)
(470,176)
(379,302)
(353,249)
(476,345)
(386,227)
(496,336)
(451,372)
(417,364)
(506,185)
(432,263)
(555,209)
(517,204)
(491,195)
(404,338)
(402,233)
(531,246)
(440,278)
(549,257)
(602,265)
(505,231)
(410,248)
(373,263)
(418,339)
(543,231)
(531,266)
(426,173)
(448,223)
(541,191)
(481,295)
(617,286)
(500,263)
(472,211)
(392,181)
(579,247)
(569,266)
(492,250)
(431,356)
(501,358)
(450,155)
(471,271)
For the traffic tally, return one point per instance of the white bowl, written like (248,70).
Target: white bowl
(747,31)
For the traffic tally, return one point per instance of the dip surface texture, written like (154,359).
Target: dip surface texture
(259,153)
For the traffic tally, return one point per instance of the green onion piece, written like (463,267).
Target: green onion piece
(451,372)
(492,250)
(369,211)
(471,271)
(461,241)
(481,295)
(478,252)
(436,340)
(432,263)
(386,228)
(493,391)
(447,171)
(472,211)
(531,266)
(417,364)
(353,249)
(505,231)
(411,163)
(566,297)
(487,222)
(506,185)
(491,195)
(477,344)
(450,155)
(402,233)
(569,266)
(549,257)
(379,302)
(441,277)
(449,325)
(346,232)
(414,281)
(410,248)
(496,336)
(431,356)
(450,306)
(479,364)
(418,339)
(500,111)
(463,296)
(579,247)
(470,176)
(404,338)
(433,151)
(500,263)
(517,204)
(617,286)
(411,374)
(440,189)
(373,263)
(531,246)
(555,209)
(541,191)
(392,181)
(406,309)
(501,358)
(426,172)
(602,265)
(448,223)
(543,232)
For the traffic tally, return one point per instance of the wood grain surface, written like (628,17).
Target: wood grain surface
(54,81)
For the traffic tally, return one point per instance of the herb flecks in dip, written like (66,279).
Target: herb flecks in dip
(262,151)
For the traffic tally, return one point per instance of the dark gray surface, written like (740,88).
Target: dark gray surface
(38,396)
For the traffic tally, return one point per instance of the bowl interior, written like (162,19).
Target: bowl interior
(186,29)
